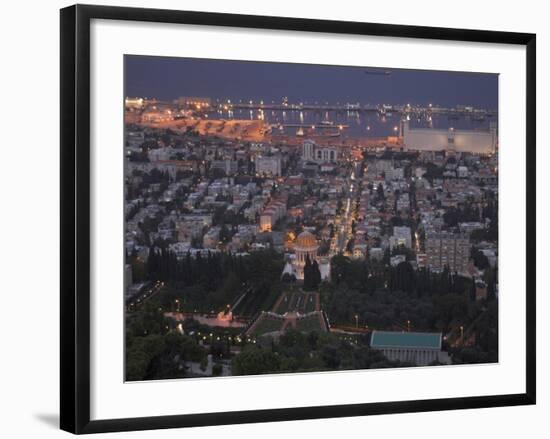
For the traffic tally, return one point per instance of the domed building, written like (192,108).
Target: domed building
(306,247)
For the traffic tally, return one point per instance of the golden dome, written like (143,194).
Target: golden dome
(306,240)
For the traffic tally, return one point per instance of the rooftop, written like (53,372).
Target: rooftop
(306,240)
(387,339)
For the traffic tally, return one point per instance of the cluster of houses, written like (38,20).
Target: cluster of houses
(213,195)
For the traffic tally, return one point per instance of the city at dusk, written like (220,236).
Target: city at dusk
(292,218)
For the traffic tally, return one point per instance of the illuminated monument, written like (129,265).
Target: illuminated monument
(306,247)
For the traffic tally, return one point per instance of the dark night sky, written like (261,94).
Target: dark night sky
(169,78)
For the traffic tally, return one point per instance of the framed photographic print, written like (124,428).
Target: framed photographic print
(269,218)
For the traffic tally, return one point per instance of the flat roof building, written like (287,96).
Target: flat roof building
(420,348)
(446,249)
(429,139)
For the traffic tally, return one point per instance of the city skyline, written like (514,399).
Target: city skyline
(167,78)
(305,237)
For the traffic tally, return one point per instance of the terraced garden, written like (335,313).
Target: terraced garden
(310,323)
(266,324)
(296,301)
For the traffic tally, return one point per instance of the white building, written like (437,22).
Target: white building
(397,259)
(268,165)
(401,236)
(468,227)
(211,238)
(273,212)
(419,172)
(311,152)
(428,139)
(419,348)
(267,220)
(135,103)
(462,172)
(308,149)
(403,202)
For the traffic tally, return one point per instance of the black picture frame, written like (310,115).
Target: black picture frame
(75,217)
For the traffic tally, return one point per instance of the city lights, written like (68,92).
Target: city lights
(317,225)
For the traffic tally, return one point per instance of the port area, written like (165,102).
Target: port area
(234,129)
(261,131)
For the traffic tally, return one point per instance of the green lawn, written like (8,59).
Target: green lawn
(267,324)
(308,324)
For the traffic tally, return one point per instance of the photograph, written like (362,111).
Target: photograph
(299,218)
(275,219)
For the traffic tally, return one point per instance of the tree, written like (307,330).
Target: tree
(312,275)
(380,191)
(339,265)
(480,260)
(225,234)
(288,278)
(158,356)
(331,356)
(217,369)
(255,360)
(405,277)
(153,263)
(316,274)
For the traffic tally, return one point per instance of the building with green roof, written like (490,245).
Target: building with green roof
(420,348)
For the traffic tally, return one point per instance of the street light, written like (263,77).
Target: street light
(462,335)
(408,326)
(356,321)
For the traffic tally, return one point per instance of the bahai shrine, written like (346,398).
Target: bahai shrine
(305,247)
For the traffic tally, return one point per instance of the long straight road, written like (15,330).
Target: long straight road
(343,228)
